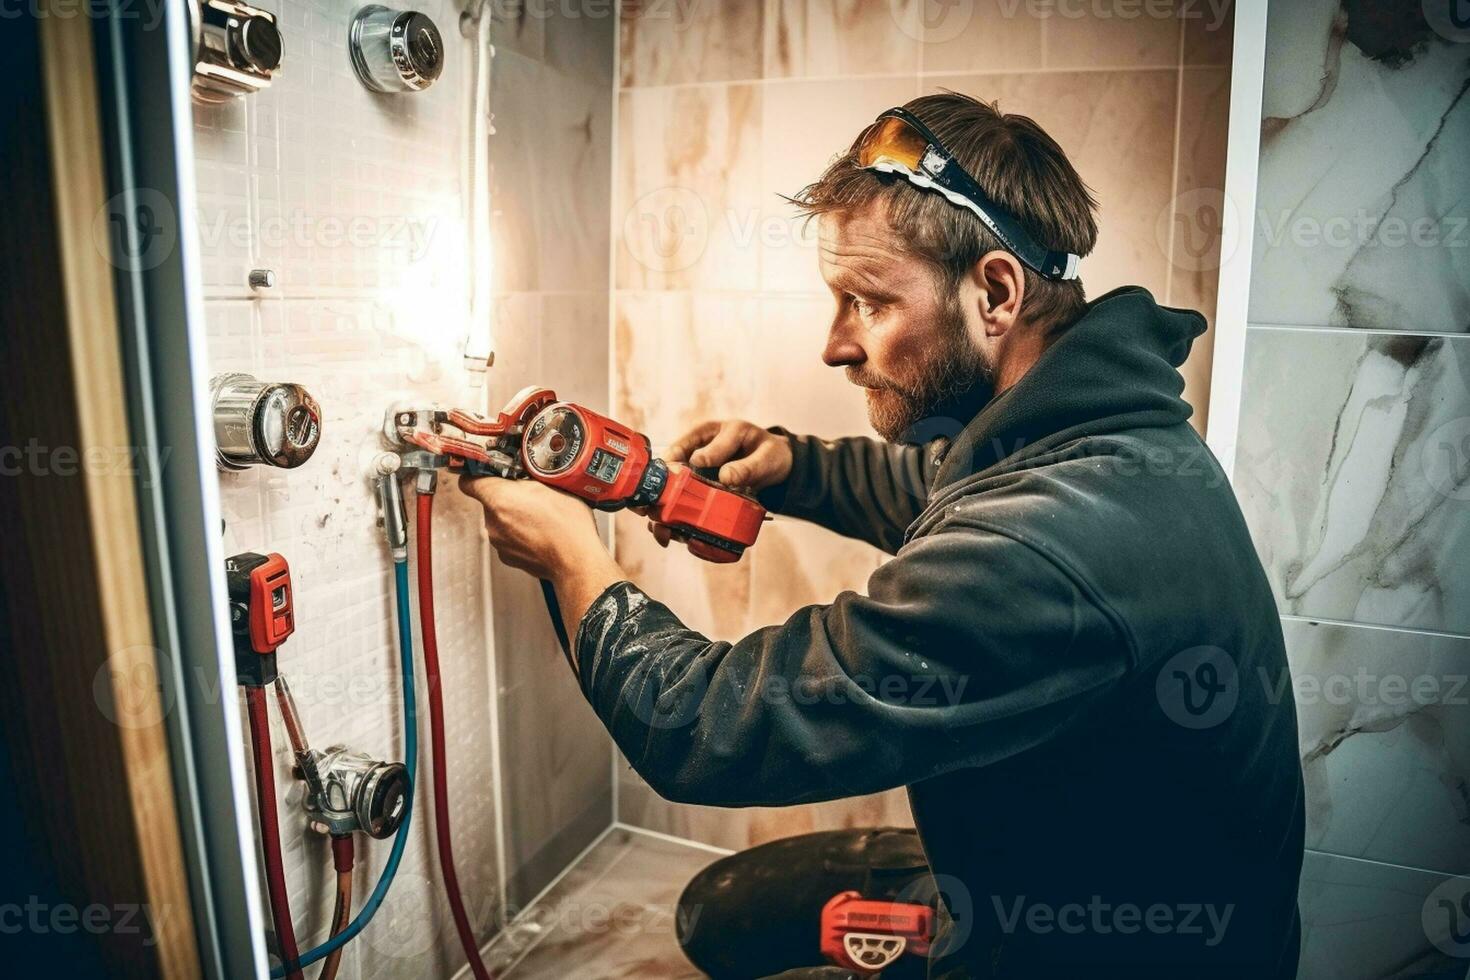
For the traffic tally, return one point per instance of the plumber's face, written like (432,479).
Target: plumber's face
(897,331)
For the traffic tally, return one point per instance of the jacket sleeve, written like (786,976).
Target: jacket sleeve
(860,488)
(970,647)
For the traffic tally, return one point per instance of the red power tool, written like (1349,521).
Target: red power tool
(590,456)
(867,936)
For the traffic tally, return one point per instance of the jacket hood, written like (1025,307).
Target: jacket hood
(1116,368)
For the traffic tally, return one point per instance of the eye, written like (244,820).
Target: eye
(864,309)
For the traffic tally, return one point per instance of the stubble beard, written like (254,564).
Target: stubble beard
(954,379)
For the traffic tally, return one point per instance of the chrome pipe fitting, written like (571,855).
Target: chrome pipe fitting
(271,423)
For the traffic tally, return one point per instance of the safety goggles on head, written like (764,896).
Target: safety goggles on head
(898,143)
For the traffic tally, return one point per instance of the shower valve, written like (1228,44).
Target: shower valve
(395,50)
(278,423)
(237,49)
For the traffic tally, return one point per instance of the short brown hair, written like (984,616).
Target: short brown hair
(1020,167)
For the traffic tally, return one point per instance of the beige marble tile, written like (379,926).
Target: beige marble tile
(666,43)
(805,125)
(552,772)
(1112,35)
(519,26)
(1209,33)
(796,564)
(518,106)
(736,829)
(1118,130)
(1194,239)
(516,334)
(687,207)
(840,37)
(711,598)
(792,387)
(572,175)
(682,358)
(986,35)
(581,39)
(574,356)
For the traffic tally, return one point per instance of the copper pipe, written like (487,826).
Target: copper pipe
(342,859)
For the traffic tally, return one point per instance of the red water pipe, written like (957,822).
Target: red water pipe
(425,527)
(342,857)
(270,829)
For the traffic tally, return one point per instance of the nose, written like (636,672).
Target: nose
(841,349)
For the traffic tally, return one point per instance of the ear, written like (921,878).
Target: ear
(1001,281)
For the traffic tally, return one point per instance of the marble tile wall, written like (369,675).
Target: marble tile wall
(356,201)
(1353,460)
(719,309)
(551,174)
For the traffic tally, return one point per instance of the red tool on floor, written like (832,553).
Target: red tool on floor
(867,936)
(588,455)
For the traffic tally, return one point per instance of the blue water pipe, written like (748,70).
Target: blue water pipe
(410,761)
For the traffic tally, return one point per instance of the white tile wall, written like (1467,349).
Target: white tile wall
(355,201)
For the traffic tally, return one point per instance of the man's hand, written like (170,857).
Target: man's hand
(748,456)
(549,534)
(533,527)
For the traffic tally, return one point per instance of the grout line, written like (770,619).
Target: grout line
(1383,864)
(1318,620)
(1355,331)
(900,76)
(614,230)
(671,839)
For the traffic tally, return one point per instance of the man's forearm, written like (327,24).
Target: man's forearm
(580,581)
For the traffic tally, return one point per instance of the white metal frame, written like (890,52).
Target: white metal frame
(1242,161)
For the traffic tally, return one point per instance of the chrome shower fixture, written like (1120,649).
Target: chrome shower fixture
(237,49)
(395,50)
(273,423)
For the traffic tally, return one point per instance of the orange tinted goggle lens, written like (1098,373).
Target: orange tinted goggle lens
(891,140)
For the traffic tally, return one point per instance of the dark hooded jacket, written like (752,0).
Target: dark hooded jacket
(1073,662)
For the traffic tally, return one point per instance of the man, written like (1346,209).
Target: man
(1072,661)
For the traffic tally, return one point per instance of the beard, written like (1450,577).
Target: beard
(953,381)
